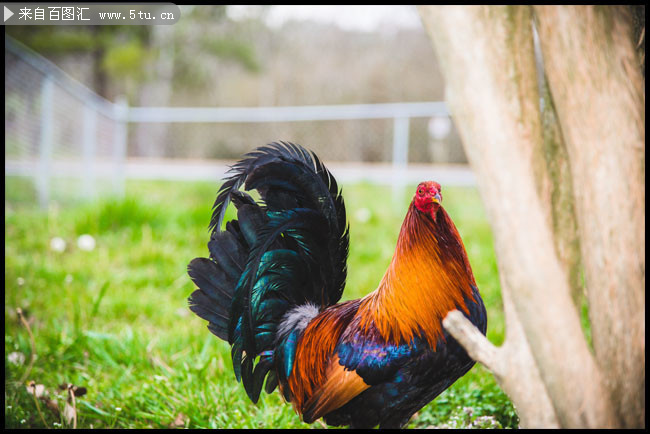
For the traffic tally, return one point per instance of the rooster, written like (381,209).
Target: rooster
(273,282)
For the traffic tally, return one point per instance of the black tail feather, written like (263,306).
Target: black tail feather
(212,300)
(228,253)
(289,250)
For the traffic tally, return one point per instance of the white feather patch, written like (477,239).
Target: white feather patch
(296,318)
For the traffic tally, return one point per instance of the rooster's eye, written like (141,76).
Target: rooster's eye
(420,191)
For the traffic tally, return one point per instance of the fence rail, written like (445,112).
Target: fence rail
(288,113)
(57,127)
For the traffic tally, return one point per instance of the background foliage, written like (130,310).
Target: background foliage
(208,59)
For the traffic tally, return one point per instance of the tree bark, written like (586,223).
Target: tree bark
(555,186)
(492,91)
(598,89)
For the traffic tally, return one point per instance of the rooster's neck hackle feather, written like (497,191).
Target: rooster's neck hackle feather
(429,276)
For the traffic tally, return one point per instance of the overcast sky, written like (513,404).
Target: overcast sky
(364,18)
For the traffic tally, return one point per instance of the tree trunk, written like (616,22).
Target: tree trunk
(598,90)
(100,80)
(492,90)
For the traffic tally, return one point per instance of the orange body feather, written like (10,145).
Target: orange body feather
(314,349)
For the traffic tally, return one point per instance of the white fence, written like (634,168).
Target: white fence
(399,113)
(56,128)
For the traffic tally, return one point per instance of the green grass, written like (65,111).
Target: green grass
(115,319)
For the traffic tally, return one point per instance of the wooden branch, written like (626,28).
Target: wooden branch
(523,381)
(512,365)
(476,345)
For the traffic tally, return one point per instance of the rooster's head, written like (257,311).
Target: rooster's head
(428,197)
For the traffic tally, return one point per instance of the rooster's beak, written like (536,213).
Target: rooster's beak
(437,199)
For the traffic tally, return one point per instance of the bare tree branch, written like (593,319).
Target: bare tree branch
(476,345)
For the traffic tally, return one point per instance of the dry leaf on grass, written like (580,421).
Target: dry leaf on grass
(180,421)
(41,393)
(69,413)
(36,389)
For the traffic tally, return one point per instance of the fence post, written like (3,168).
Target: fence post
(45,143)
(89,145)
(120,139)
(439,128)
(400,156)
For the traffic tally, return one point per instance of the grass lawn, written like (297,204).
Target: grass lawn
(115,319)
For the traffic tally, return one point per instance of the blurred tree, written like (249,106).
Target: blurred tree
(149,63)
(185,57)
(117,53)
(124,57)
(206,36)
